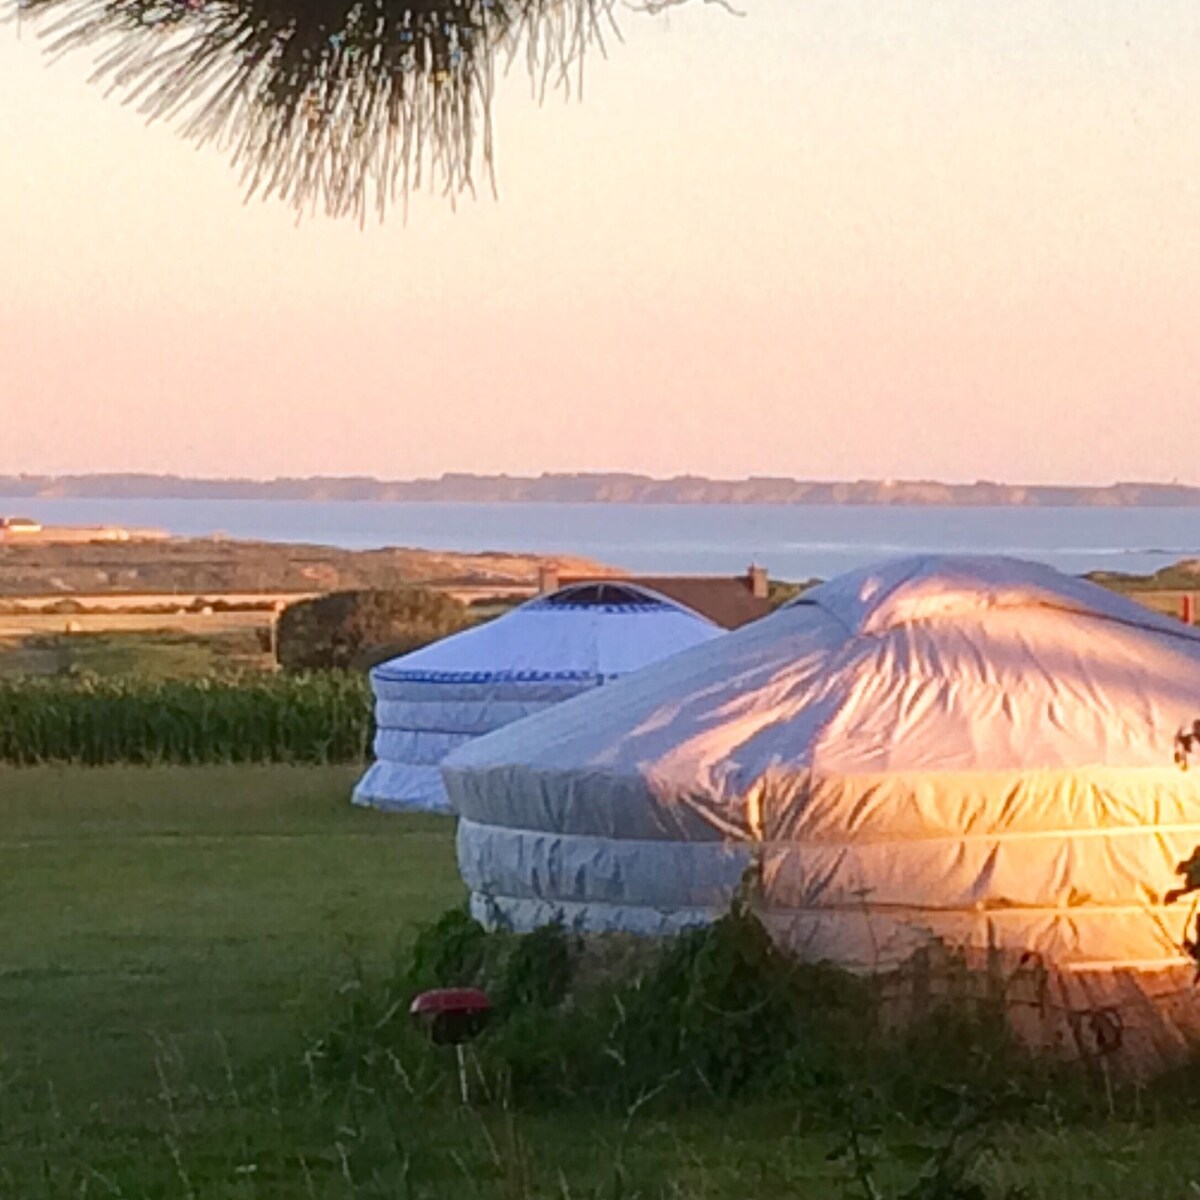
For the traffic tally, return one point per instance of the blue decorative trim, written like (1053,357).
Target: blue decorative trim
(631,606)
(488,676)
(467,734)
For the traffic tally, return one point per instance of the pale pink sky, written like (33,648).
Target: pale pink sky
(835,238)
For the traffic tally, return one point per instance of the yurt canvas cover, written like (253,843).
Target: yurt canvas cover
(968,749)
(431,701)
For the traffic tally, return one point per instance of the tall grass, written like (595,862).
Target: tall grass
(705,1068)
(318,718)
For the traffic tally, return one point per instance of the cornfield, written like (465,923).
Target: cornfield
(317,718)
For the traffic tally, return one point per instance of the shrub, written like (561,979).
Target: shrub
(714,1013)
(357,629)
(538,971)
(451,952)
(780,592)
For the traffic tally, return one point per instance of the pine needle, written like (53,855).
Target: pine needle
(327,105)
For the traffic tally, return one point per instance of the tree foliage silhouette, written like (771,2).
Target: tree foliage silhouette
(330,105)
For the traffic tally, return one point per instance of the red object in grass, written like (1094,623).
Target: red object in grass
(451,1015)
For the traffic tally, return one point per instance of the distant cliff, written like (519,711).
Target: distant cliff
(601,489)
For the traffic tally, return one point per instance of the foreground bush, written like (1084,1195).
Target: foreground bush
(357,629)
(715,1014)
(716,1020)
(254,719)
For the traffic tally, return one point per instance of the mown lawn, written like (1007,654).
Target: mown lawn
(179,904)
(173,940)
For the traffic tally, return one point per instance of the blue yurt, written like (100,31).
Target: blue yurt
(554,647)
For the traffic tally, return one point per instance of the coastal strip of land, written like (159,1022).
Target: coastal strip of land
(178,572)
(603,488)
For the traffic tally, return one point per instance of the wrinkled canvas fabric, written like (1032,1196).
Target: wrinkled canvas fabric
(972,750)
(439,698)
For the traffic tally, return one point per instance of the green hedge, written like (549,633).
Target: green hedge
(358,629)
(317,718)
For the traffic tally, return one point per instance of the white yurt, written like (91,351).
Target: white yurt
(977,751)
(573,640)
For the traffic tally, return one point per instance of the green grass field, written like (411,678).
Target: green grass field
(181,904)
(153,654)
(171,941)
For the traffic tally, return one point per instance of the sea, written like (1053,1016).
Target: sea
(794,542)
